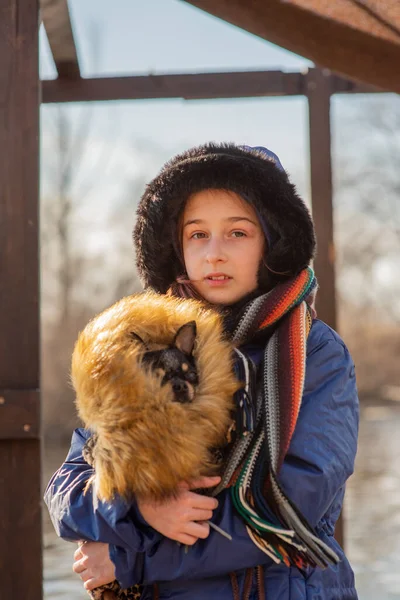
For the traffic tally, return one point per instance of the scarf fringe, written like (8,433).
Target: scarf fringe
(274,523)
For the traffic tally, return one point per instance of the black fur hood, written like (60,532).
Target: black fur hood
(255,174)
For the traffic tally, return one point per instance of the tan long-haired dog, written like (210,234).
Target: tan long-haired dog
(146,442)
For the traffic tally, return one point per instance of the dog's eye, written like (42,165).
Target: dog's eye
(192,377)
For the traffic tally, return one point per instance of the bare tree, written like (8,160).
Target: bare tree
(65,264)
(368,203)
(78,280)
(368,239)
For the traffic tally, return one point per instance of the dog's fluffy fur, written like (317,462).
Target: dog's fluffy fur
(147,442)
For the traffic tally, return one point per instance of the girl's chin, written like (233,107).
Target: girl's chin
(221,295)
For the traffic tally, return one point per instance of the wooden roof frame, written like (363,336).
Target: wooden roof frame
(359,39)
(310,28)
(57,23)
(196,86)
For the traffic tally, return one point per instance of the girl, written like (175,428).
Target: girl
(223,223)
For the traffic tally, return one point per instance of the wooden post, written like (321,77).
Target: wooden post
(319,90)
(20,469)
(318,94)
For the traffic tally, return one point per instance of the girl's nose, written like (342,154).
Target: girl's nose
(215,251)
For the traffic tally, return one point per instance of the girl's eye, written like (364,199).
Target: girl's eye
(199,235)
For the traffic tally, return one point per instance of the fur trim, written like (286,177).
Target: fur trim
(249,173)
(147,443)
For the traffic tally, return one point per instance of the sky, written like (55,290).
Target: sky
(158,36)
(166,35)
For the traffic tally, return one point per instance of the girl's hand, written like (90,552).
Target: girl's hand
(93,564)
(182,518)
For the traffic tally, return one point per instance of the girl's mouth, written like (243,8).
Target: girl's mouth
(217,280)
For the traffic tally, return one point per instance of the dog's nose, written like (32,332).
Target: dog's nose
(179,387)
(183,391)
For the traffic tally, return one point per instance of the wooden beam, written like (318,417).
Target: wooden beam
(343,44)
(20,471)
(190,87)
(341,85)
(357,14)
(246,84)
(319,89)
(57,22)
(19,414)
(319,94)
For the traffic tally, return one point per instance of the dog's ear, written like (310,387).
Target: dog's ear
(185,337)
(137,338)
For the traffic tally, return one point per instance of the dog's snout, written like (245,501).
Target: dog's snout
(183,391)
(179,386)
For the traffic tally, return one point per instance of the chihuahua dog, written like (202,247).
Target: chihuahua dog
(177,366)
(175,363)
(155,382)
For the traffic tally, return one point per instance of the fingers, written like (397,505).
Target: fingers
(79,566)
(188,540)
(204,482)
(84,575)
(183,485)
(90,584)
(198,530)
(200,482)
(78,553)
(92,581)
(198,514)
(202,502)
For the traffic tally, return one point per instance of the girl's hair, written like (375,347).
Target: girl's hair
(182,287)
(250,173)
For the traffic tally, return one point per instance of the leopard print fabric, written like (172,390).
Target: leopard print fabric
(115,592)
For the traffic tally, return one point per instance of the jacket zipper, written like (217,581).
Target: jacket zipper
(260,583)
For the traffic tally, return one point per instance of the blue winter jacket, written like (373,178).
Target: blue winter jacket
(319,461)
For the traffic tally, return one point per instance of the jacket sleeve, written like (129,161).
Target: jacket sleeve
(323,448)
(320,460)
(138,551)
(80,516)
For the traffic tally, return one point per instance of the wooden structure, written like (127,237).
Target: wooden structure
(20,505)
(309,34)
(360,39)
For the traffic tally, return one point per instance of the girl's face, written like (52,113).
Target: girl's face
(222,243)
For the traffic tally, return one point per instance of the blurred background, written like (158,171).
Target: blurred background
(95,161)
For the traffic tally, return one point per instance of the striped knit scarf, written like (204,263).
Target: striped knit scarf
(264,428)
